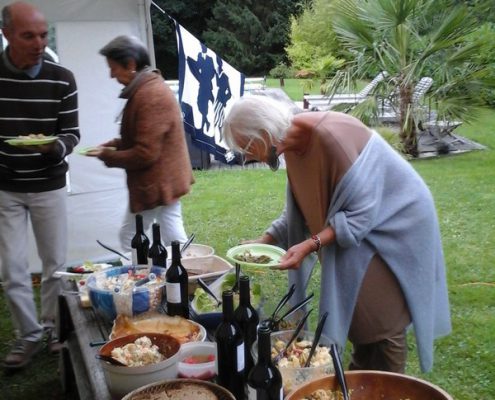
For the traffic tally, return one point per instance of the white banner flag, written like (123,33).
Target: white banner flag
(208,86)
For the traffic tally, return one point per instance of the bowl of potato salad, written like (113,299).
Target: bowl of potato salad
(145,358)
(291,363)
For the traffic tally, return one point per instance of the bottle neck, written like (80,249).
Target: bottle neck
(156,234)
(244,291)
(264,345)
(176,252)
(228,305)
(139,223)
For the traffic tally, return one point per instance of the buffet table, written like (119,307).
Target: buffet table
(79,327)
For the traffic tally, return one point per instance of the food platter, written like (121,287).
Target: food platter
(235,254)
(28,141)
(91,150)
(184,330)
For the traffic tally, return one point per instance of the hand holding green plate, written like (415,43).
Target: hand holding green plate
(268,255)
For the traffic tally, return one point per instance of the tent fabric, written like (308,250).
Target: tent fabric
(98,195)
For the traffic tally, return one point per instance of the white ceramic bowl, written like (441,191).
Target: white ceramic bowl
(194,250)
(202,370)
(294,376)
(122,379)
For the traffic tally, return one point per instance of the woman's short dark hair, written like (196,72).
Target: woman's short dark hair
(124,48)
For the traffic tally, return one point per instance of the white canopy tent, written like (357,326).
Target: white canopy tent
(97,194)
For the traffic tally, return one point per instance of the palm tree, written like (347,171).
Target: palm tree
(410,39)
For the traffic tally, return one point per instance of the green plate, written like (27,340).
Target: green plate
(86,151)
(256,249)
(31,142)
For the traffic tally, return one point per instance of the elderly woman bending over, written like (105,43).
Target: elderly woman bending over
(358,206)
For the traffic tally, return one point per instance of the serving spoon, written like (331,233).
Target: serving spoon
(283,301)
(112,250)
(235,288)
(319,330)
(205,287)
(187,243)
(339,370)
(110,359)
(276,323)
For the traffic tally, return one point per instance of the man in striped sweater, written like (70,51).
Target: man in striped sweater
(37,96)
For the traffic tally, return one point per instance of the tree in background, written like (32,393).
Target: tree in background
(312,39)
(410,39)
(251,35)
(191,14)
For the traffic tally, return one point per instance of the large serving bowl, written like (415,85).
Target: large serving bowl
(190,389)
(293,376)
(113,291)
(123,379)
(366,385)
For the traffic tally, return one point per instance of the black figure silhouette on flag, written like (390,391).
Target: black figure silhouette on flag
(208,86)
(223,95)
(203,70)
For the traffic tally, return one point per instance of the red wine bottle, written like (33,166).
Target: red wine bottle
(230,350)
(264,380)
(157,255)
(247,318)
(177,285)
(140,244)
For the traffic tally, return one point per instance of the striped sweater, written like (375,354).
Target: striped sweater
(45,104)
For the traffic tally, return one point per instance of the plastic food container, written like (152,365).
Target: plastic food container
(197,360)
(294,376)
(109,299)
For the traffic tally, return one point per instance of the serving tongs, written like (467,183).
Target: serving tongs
(276,323)
(187,243)
(206,288)
(319,330)
(112,250)
(298,329)
(283,301)
(235,288)
(339,370)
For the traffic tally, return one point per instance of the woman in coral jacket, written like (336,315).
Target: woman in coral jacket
(152,146)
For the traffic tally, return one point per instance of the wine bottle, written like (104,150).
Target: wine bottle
(140,244)
(230,350)
(247,318)
(157,254)
(264,380)
(177,285)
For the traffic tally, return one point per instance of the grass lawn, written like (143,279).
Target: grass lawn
(226,206)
